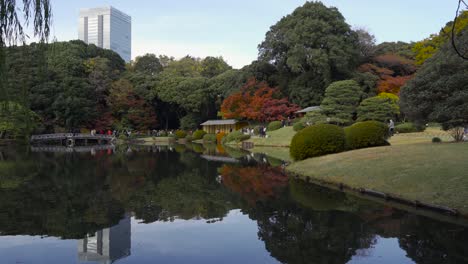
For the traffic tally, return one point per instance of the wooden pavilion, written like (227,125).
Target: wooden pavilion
(226,126)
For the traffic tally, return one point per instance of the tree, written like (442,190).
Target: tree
(342,99)
(129,110)
(185,67)
(378,108)
(399,48)
(393,84)
(257,101)
(366,43)
(16,121)
(213,66)
(148,64)
(310,48)
(426,48)
(12,26)
(439,91)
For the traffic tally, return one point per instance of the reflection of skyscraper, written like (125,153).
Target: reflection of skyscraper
(107,245)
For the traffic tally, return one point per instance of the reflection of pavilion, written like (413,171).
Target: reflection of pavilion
(107,245)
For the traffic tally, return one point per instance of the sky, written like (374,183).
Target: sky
(234,28)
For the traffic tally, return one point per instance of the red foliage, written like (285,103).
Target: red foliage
(257,101)
(392,84)
(254,183)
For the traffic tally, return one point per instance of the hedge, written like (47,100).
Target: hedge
(408,128)
(317,140)
(197,135)
(366,134)
(236,136)
(180,134)
(298,126)
(209,138)
(275,125)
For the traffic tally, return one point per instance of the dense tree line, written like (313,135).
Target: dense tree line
(310,57)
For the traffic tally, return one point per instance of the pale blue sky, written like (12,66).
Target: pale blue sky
(233,29)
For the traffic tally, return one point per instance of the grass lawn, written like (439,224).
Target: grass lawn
(156,140)
(281,153)
(420,137)
(278,138)
(432,173)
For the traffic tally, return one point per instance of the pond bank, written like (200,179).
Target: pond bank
(433,174)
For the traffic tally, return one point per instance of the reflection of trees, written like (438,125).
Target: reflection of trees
(431,242)
(254,183)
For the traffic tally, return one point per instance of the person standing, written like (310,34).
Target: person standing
(391,127)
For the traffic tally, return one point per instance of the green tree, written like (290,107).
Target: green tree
(16,121)
(212,66)
(311,48)
(148,64)
(378,108)
(342,99)
(439,91)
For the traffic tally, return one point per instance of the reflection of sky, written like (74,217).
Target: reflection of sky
(385,251)
(233,240)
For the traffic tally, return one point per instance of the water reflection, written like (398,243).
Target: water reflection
(198,201)
(107,245)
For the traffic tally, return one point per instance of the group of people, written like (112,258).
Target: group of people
(109,132)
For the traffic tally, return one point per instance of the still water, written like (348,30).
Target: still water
(197,205)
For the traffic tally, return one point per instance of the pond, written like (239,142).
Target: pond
(195,204)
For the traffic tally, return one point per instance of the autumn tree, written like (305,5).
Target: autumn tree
(439,91)
(426,48)
(128,109)
(257,101)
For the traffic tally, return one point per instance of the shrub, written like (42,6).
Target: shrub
(189,138)
(257,130)
(275,125)
(162,134)
(180,134)
(366,134)
(408,128)
(209,138)
(436,140)
(198,134)
(317,140)
(220,136)
(236,136)
(298,126)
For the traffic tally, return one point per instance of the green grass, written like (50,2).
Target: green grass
(420,137)
(431,173)
(281,153)
(278,138)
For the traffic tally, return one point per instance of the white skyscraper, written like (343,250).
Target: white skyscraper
(108,28)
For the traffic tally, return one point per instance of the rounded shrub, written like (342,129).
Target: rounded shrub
(236,136)
(275,125)
(408,128)
(209,138)
(436,140)
(317,140)
(366,134)
(180,134)
(198,134)
(189,138)
(298,126)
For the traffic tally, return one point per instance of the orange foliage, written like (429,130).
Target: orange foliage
(256,101)
(220,136)
(254,183)
(392,84)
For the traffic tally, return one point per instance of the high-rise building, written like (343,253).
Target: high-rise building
(108,28)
